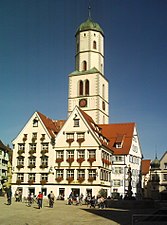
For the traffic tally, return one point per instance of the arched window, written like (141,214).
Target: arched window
(86,87)
(84,65)
(94,45)
(103,91)
(80,87)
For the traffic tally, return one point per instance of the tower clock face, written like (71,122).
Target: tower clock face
(83,102)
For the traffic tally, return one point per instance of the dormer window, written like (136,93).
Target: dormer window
(119,141)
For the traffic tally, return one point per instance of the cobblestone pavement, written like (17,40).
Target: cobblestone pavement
(62,214)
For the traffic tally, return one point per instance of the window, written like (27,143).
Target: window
(165,166)
(44,161)
(21,147)
(87,87)
(35,122)
(20,176)
(118,170)
(44,176)
(76,122)
(81,154)
(34,135)
(59,173)
(20,161)
(80,87)
(33,147)
(45,146)
(84,65)
(31,176)
(59,154)
(80,136)
(165,177)
(94,45)
(32,161)
(70,173)
(70,154)
(92,174)
(116,183)
(81,173)
(92,153)
(103,91)
(70,136)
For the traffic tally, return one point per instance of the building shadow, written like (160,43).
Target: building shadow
(123,217)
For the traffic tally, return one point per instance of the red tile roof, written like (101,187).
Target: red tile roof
(145,166)
(97,129)
(53,126)
(119,132)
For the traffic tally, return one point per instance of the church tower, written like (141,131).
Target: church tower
(88,87)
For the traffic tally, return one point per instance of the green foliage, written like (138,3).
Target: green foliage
(103,193)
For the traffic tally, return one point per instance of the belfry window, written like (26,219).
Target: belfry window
(86,87)
(94,45)
(80,87)
(84,65)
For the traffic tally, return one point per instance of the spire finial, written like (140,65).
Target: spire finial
(89,11)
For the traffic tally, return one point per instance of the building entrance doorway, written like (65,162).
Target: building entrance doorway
(31,191)
(76,192)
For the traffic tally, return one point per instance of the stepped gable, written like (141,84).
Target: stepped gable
(119,133)
(145,166)
(53,126)
(97,129)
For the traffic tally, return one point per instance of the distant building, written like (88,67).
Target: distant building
(84,153)
(4,160)
(155,181)
(145,170)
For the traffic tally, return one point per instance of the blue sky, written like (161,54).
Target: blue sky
(37,52)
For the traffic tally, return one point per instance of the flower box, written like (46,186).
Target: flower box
(20,152)
(31,152)
(30,182)
(91,160)
(70,179)
(80,140)
(59,160)
(59,179)
(80,160)
(20,166)
(44,151)
(70,160)
(43,182)
(91,179)
(33,139)
(81,179)
(18,181)
(69,141)
(24,139)
(31,166)
(43,166)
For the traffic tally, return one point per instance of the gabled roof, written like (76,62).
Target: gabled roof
(97,130)
(2,146)
(122,132)
(53,126)
(145,166)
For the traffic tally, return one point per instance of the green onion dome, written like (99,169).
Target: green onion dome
(89,24)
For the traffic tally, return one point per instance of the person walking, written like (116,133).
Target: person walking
(51,198)
(39,200)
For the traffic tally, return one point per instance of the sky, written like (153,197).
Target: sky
(37,53)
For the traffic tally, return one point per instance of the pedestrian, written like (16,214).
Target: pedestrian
(9,196)
(51,198)
(39,200)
